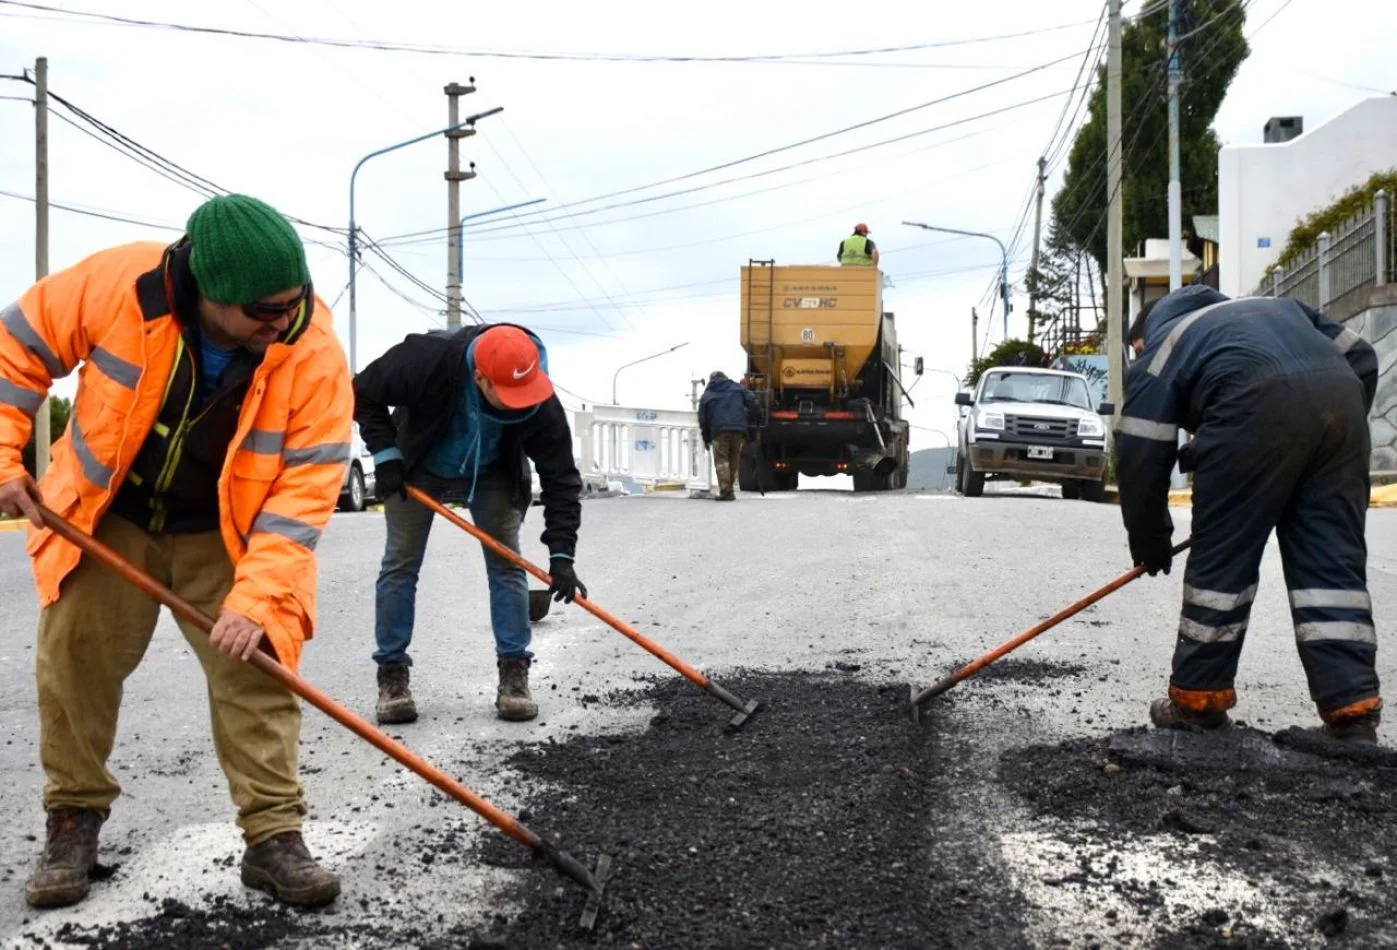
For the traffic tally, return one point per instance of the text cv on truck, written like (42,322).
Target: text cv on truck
(823,359)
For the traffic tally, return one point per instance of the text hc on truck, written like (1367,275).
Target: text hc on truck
(823,359)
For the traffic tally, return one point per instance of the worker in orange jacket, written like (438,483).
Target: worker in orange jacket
(207,444)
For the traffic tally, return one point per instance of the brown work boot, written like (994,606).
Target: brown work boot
(282,866)
(395,703)
(1166,714)
(69,855)
(513,702)
(1362,731)
(727,496)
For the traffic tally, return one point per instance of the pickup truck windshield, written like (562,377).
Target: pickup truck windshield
(1035,387)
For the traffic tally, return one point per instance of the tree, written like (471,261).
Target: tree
(1212,49)
(1053,283)
(1008,353)
(59,410)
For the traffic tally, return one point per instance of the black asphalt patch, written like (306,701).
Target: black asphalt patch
(1316,830)
(832,821)
(829,822)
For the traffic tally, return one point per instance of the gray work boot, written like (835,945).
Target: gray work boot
(395,703)
(1362,731)
(513,701)
(282,866)
(1166,714)
(70,853)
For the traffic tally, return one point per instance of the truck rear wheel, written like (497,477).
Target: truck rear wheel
(754,473)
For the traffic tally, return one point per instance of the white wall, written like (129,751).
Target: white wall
(1263,190)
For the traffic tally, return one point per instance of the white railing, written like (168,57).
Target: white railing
(1356,256)
(656,448)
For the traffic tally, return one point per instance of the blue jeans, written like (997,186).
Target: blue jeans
(409,525)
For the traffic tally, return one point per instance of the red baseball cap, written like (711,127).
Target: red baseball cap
(860,228)
(509,358)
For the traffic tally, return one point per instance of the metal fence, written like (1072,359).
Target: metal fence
(1339,269)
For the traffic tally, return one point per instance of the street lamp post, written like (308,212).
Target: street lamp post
(1003,256)
(461,244)
(353,228)
(641,360)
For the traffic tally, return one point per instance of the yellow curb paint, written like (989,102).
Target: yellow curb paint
(13,524)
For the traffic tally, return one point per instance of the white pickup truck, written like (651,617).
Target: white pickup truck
(1033,424)
(358,490)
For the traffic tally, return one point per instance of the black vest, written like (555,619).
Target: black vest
(173,484)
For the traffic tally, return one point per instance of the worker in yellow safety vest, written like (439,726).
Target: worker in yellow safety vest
(857,250)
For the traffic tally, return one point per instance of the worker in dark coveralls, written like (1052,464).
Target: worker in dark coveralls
(1277,396)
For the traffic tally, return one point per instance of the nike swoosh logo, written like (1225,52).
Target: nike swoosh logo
(527,370)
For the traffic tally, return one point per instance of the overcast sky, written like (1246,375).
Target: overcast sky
(288,121)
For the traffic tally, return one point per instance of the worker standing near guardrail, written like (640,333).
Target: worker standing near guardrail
(472,407)
(725,412)
(207,444)
(1278,396)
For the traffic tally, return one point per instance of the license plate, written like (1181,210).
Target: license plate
(1034,452)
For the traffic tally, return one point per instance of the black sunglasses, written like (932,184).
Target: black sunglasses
(271,312)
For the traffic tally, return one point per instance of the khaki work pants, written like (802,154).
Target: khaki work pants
(727,457)
(95,635)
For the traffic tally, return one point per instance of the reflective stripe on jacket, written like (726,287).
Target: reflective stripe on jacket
(854,251)
(110,316)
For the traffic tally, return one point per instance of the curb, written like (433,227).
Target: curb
(1382,496)
(13,524)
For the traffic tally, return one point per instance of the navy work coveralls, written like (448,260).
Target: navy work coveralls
(1278,396)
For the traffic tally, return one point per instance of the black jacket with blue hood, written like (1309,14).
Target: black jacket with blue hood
(1203,355)
(426,378)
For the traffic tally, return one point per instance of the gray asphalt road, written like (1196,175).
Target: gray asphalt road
(904,586)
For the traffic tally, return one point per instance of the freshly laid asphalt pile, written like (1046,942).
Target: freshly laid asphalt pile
(832,821)
(829,821)
(1314,820)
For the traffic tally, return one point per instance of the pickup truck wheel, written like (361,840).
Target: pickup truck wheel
(1072,490)
(1094,491)
(354,497)
(974,482)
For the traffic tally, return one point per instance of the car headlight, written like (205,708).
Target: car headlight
(1091,427)
(990,420)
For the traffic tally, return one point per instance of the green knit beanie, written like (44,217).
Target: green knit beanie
(242,250)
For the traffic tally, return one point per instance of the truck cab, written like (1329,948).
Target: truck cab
(1024,423)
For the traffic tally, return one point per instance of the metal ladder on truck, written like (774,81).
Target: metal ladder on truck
(767,382)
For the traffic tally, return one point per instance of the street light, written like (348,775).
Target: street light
(461,244)
(641,360)
(1003,256)
(354,231)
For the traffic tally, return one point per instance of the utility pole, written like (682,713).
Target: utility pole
(1115,344)
(974,335)
(42,435)
(1176,209)
(454,177)
(1037,236)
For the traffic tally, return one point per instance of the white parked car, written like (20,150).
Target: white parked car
(358,490)
(1033,424)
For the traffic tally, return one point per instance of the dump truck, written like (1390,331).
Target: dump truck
(823,359)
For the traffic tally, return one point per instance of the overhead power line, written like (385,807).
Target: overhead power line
(504,228)
(866,123)
(804,58)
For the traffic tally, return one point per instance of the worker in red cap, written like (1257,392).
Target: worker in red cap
(857,250)
(472,408)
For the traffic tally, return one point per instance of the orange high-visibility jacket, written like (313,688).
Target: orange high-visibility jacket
(112,313)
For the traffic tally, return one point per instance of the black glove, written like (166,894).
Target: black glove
(388,479)
(565,586)
(1188,458)
(1155,552)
